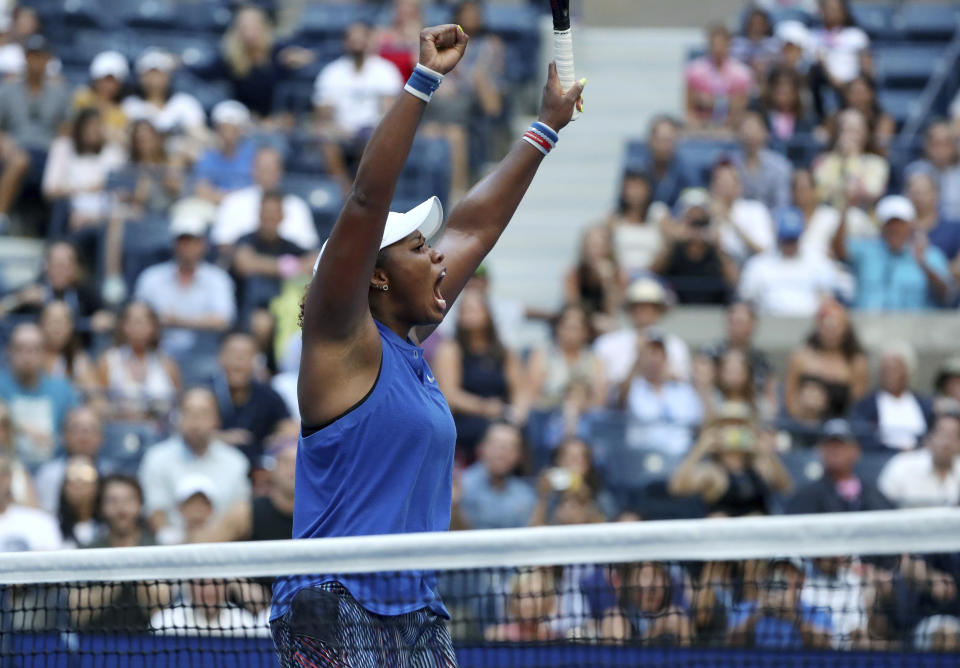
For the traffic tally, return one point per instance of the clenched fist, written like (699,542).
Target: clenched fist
(442,47)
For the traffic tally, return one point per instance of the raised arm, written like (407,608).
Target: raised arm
(481,217)
(336,306)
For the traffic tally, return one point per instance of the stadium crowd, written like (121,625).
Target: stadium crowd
(148,391)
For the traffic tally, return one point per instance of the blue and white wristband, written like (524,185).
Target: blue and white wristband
(423,82)
(541,136)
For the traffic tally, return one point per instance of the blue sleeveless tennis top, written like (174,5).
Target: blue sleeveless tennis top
(384,467)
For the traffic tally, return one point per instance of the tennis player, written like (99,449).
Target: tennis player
(377,441)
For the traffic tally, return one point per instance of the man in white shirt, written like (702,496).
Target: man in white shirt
(928,476)
(745,224)
(646,302)
(23,529)
(239,212)
(193,450)
(785,282)
(351,92)
(188,293)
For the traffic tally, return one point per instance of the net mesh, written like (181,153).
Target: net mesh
(870,589)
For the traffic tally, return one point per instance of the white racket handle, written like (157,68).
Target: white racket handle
(563,55)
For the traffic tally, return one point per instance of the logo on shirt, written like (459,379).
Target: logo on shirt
(431,378)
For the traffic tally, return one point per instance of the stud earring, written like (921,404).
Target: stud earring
(384,287)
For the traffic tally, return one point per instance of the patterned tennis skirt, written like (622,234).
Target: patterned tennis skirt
(326,627)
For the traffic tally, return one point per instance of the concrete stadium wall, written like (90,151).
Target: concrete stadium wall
(935,336)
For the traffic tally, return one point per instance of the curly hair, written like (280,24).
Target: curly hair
(380,262)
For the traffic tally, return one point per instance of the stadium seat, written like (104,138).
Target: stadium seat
(697,157)
(928,21)
(905,65)
(900,103)
(295,97)
(199,365)
(151,15)
(872,462)
(305,155)
(803,464)
(631,467)
(124,444)
(426,173)
(321,19)
(321,194)
(517,26)
(875,19)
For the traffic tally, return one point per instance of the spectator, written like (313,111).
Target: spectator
(533,604)
(860,93)
(493,495)
(204,609)
(765,174)
(77,168)
(646,302)
(796,45)
(252,62)
(24,22)
(62,280)
(480,378)
(82,437)
(250,411)
(267,517)
(842,50)
(228,166)
(726,379)
(666,411)
(77,510)
(840,587)
(947,386)
(187,292)
(944,234)
(38,402)
(785,282)
(239,211)
(942,162)
(596,281)
(194,496)
(22,489)
(635,224)
(733,468)
(745,226)
(831,355)
(937,633)
(782,106)
(779,618)
(350,95)
(193,449)
(851,174)
(899,270)
(23,529)
(399,42)
(692,259)
(756,46)
(32,110)
(840,489)
(568,359)
(264,259)
(717,85)
(928,476)
(741,322)
(152,181)
(820,221)
(171,113)
(893,416)
(65,356)
(108,74)
(663,165)
(140,383)
(573,473)
(123,607)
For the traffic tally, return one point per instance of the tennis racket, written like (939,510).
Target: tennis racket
(563,46)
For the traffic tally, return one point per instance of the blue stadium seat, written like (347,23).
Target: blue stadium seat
(790,14)
(145,243)
(320,19)
(199,365)
(900,103)
(209,17)
(803,465)
(208,93)
(151,15)
(124,444)
(517,26)
(321,194)
(928,21)
(305,155)
(295,97)
(697,157)
(872,462)
(875,19)
(426,173)
(905,65)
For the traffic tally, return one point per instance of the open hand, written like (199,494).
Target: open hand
(442,47)
(556,107)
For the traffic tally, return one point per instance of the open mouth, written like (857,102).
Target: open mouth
(437,295)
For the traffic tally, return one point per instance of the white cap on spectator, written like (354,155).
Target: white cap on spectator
(155,59)
(109,64)
(647,290)
(191,217)
(192,484)
(793,32)
(895,207)
(230,112)
(691,198)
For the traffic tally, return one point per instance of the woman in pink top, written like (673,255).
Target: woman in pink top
(717,85)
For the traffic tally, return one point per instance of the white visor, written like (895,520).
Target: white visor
(427,217)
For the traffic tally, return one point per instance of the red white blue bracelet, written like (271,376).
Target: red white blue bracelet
(423,82)
(541,136)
